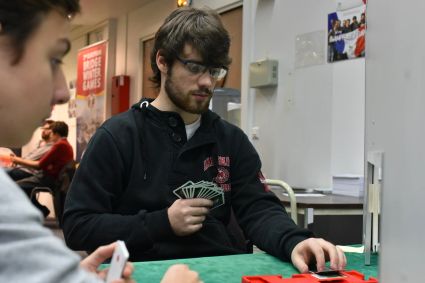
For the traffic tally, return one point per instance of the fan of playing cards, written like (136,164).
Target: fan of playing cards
(201,189)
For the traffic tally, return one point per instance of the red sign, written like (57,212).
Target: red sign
(91,70)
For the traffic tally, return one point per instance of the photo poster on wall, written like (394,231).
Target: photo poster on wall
(90,93)
(72,106)
(346,34)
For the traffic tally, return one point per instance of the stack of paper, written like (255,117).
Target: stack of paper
(349,185)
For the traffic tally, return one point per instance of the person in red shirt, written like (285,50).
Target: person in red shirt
(49,165)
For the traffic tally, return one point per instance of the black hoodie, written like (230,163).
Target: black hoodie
(125,183)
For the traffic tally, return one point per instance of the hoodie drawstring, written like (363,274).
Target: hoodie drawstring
(142,106)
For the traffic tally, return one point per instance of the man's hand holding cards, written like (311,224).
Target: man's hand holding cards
(201,189)
(195,200)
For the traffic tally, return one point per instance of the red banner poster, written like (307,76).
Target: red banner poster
(90,92)
(91,70)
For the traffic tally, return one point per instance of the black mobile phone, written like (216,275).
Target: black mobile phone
(327,274)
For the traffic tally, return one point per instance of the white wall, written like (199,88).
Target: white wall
(348,118)
(299,139)
(219,5)
(395,99)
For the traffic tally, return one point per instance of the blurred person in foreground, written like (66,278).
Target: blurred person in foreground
(33,41)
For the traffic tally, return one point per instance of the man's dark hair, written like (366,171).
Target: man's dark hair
(48,122)
(60,128)
(20,18)
(201,28)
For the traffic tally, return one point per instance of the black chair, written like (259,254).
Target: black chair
(59,190)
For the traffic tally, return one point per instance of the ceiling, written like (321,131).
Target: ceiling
(95,11)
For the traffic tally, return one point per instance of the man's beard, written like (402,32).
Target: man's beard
(183,101)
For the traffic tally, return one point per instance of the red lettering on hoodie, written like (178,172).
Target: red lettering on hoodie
(224,161)
(208,162)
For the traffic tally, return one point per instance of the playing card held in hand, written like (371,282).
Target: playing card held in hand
(201,189)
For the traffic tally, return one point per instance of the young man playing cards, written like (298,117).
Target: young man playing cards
(165,175)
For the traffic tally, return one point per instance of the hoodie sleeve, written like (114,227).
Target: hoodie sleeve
(259,212)
(89,218)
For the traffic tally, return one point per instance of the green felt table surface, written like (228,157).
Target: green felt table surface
(230,269)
